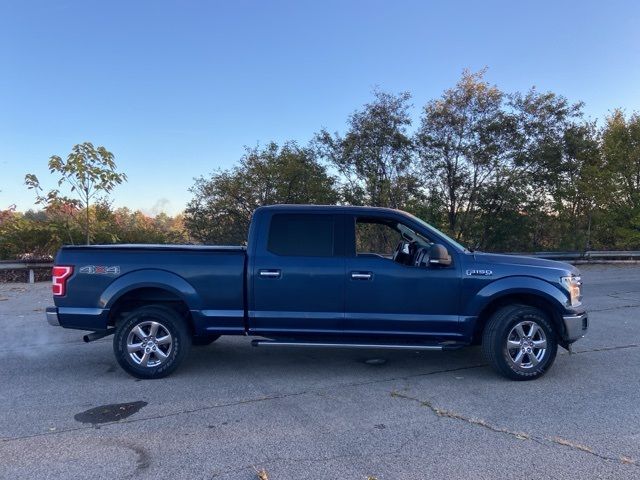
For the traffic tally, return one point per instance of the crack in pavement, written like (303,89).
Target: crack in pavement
(605,349)
(544,441)
(625,292)
(281,396)
(243,402)
(619,307)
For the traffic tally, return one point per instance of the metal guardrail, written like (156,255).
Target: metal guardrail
(30,266)
(588,256)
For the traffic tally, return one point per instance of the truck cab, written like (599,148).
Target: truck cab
(356,272)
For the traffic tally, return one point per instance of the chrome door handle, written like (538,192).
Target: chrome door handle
(269,273)
(361,275)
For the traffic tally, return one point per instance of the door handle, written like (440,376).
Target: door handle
(361,275)
(269,273)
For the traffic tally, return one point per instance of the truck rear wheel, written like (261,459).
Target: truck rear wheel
(151,342)
(519,342)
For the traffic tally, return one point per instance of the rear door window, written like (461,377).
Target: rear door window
(302,235)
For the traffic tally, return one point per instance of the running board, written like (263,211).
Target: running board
(387,346)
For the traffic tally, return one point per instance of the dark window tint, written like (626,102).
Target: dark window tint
(301,235)
(376,237)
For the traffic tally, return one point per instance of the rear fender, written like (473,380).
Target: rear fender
(150,278)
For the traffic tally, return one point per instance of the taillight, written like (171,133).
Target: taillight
(60,274)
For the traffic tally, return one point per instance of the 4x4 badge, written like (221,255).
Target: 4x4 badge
(100,270)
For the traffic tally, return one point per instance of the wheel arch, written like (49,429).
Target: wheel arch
(146,287)
(526,291)
(528,299)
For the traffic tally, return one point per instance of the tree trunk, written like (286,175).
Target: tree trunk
(86,226)
(587,246)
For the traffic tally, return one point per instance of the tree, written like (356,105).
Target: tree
(506,166)
(621,154)
(464,145)
(582,186)
(550,145)
(374,157)
(88,171)
(222,204)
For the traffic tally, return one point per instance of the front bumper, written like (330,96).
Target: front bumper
(575,326)
(52,316)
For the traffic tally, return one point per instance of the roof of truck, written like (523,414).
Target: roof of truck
(339,208)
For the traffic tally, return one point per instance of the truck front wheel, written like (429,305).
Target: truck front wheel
(151,341)
(519,342)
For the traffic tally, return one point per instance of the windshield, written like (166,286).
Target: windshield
(428,227)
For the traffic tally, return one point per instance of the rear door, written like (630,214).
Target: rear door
(298,274)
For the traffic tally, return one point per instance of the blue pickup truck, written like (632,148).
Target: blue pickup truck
(330,276)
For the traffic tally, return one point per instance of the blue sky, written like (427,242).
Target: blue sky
(175,89)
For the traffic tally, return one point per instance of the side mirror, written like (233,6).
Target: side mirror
(438,255)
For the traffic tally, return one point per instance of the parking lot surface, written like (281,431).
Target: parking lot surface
(68,411)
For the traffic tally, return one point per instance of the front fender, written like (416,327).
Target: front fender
(517,285)
(150,278)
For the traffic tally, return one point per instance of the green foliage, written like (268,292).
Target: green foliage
(19,234)
(464,148)
(86,172)
(374,157)
(42,233)
(621,158)
(221,208)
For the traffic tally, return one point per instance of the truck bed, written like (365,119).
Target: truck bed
(210,279)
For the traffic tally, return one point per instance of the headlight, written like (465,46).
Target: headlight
(573,285)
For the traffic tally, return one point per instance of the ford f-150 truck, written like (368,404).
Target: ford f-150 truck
(324,276)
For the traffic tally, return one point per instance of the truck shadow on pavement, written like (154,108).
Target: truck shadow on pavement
(231,357)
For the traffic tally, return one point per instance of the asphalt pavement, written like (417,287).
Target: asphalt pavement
(68,411)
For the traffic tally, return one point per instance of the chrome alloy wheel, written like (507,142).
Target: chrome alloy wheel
(149,344)
(526,344)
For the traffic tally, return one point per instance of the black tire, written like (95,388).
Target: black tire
(527,361)
(169,355)
(204,341)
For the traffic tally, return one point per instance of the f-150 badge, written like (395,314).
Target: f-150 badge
(483,273)
(100,270)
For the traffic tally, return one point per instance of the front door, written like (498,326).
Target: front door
(298,275)
(387,297)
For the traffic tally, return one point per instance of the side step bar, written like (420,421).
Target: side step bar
(387,346)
